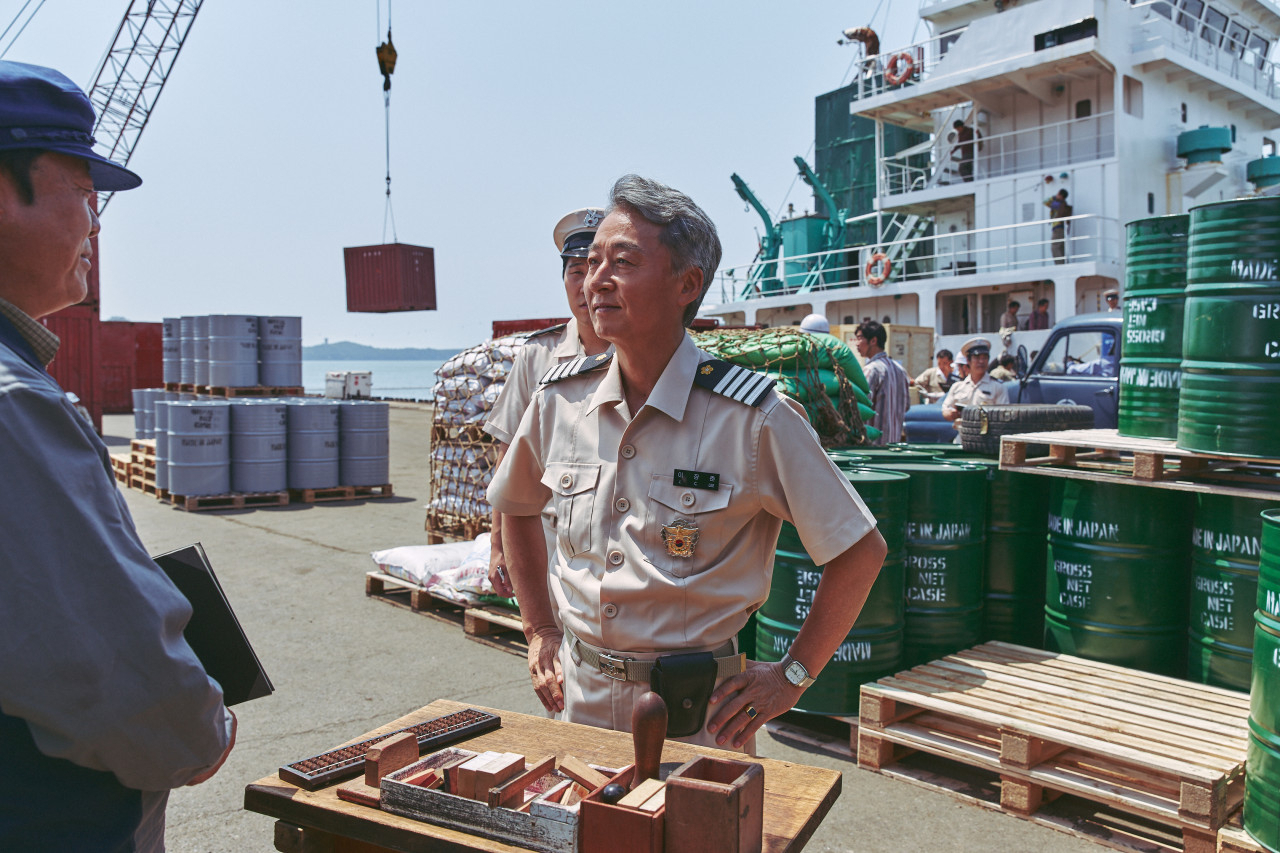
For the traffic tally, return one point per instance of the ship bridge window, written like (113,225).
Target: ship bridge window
(1215,24)
(1084,108)
(1082,29)
(1160,8)
(947,39)
(1268,147)
(1237,35)
(1259,47)
(1132,96)
(1190,14)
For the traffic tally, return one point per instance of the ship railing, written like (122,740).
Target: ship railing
(1025,246)
(925,58)
(1235,52)
(1031,149)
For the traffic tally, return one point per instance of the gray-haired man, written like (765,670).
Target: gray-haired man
(670,473)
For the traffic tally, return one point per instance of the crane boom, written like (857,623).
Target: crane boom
(129,79)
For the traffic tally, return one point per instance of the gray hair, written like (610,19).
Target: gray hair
(687,232)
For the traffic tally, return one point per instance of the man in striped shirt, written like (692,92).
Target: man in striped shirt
(887,381)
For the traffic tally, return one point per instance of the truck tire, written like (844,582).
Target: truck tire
(981,427)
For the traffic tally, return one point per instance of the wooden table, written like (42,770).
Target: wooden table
(796,797)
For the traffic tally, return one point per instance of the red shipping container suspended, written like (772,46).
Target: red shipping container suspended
(390,277)
(502,328)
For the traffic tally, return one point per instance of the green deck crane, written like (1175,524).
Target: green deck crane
(763,276)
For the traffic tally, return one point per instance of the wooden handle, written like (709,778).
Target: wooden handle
(648,729)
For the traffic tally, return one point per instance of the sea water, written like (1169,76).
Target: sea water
(405,380)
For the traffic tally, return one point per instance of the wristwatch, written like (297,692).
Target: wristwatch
(795,672)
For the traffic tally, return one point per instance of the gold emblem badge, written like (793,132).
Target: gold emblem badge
(680,537)
(707,370)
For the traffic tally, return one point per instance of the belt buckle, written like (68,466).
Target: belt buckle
(612,666)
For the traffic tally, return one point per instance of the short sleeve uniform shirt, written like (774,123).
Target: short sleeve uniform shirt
(613,477)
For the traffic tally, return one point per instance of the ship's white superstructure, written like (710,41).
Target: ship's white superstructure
(1090,96)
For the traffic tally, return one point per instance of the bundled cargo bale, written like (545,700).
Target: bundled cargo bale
(462,455)
(818,371)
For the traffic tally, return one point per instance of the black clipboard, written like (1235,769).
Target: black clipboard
(214,632)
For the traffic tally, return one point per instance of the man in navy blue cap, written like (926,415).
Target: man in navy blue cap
(103,706)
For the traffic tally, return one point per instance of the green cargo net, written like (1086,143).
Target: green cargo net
(818,371)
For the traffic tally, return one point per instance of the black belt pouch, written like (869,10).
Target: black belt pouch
(685,683)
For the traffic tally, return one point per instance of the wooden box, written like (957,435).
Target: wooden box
(547,827)
(715,805)
(617,829)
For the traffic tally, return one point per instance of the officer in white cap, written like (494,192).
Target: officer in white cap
(1113,299)
(815,323)
(542,351)
(977,387)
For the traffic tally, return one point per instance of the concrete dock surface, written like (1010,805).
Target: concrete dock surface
(343,664)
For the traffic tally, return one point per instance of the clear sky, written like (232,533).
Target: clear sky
(265,154)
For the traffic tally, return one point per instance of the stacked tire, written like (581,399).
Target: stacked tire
(982,426)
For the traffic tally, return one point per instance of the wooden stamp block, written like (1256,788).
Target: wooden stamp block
(715,805)
(578,770)
(389,755)
(608,828)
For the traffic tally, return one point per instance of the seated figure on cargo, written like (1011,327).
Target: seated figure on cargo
(103,706)
(670,473)
(542,351)
(978,387)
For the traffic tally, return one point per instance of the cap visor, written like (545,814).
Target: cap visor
(111,177)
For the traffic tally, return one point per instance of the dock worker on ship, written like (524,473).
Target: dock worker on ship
(671,473)
(1059,212)
(978,387)
(103,706)
(542,351)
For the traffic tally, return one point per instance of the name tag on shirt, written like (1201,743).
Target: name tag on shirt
(697,480)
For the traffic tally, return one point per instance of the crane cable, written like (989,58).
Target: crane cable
(23,28)
(387,66)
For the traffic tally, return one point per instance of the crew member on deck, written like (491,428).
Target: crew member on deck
(542,351)
(670,473)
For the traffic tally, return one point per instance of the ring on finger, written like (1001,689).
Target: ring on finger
(751,712)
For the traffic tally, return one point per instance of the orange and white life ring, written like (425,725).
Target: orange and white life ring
(878,269)
(900,67)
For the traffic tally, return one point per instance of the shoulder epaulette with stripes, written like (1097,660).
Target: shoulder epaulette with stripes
(734,382)
(581,364)
(558,327)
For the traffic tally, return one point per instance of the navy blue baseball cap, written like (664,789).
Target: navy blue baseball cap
(40,108)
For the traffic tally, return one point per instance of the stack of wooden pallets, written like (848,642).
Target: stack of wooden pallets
(1131,759)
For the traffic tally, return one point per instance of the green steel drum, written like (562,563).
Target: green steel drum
(1017,506)
(846,458)
(1225,549)
(1117,572)
(1230,396)
(1155,296)
(873,648)
(934,450)
(1262,766)
(946,523)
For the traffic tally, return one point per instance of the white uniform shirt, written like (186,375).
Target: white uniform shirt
(612,478)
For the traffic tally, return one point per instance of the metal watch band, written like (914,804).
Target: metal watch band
(786,662)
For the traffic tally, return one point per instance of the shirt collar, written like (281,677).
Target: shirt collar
(570,345)
(43,342)
(671,393)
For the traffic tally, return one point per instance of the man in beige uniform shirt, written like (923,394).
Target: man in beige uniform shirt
(542,351)
(977,387)
(670,473)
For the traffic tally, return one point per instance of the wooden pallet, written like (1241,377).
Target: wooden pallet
(142,482)
(333,493)
(1159,749)
(120,463)
(445,527)
(833,735)
(142,449)
(489,626)
(1233,839)
(173,386)
(374,492)
(231,393)
(245,500)
(1103,455)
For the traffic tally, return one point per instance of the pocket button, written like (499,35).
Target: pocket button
(566,481)
(622,504)
(687,499)
(615,558)
(628,451)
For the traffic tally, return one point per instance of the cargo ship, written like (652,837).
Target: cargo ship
(1136,109)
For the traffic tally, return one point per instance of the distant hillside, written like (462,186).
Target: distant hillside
(348,351)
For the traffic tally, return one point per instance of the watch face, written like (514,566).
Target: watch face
(796,672)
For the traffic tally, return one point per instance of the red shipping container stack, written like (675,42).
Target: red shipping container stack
(129,356)
(391,277)
(75,367)
(502,328)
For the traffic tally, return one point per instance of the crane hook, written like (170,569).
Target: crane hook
(386,61)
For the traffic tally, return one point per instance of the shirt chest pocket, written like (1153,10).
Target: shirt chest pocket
(685,526)
(573,492)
